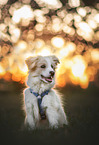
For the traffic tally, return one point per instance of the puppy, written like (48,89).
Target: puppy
(43,106)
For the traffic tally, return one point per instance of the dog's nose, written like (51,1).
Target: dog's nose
(52,73)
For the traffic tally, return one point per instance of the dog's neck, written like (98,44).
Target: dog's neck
(37,85)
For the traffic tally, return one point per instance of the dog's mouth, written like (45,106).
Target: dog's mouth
(47,79)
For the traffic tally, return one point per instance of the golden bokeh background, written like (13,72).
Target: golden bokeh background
(68,30)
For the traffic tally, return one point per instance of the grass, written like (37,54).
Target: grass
(81,107)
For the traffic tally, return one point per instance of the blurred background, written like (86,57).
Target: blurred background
(68,29)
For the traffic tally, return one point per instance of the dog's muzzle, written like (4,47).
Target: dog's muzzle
(48,79)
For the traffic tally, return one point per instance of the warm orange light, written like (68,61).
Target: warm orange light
(84,81)
(7,76)
(57,42)
(81,11)
(95,55)
(78,66)
(39,27)
(25,13)
(85,31)
(53,4)
(73,3)
(52,29)
(44,52)
(72,69)
(61,82)
(68,49)
(2,70)
(16,78)
(3,2)
(20,46)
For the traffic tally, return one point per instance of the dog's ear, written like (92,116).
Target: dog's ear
(55,59)
(31,62)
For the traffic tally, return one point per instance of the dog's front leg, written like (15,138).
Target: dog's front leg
(62,116)
(52,118)
(29,116)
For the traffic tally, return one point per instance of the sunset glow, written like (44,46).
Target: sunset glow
(72,69)
(70,32)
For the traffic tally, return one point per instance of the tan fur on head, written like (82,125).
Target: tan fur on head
(55,59)
(32,61)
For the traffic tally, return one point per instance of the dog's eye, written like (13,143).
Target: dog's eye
(43,66)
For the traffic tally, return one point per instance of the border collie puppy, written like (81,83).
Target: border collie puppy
(42,105)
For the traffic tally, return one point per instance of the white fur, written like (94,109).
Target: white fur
(51,103)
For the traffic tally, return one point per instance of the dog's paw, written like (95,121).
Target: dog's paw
(53,126)
(30,127)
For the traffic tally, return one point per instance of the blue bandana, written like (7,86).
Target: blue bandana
(40,97)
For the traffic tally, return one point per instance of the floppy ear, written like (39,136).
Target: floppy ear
(31,62)
(55,59)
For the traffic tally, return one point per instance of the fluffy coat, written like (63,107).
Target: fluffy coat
(42,77)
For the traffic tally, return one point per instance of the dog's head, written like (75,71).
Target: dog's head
(43,67)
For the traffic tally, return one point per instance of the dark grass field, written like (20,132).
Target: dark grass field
(81,106)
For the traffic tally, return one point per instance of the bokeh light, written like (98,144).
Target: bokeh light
(3,2)
(46,27)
